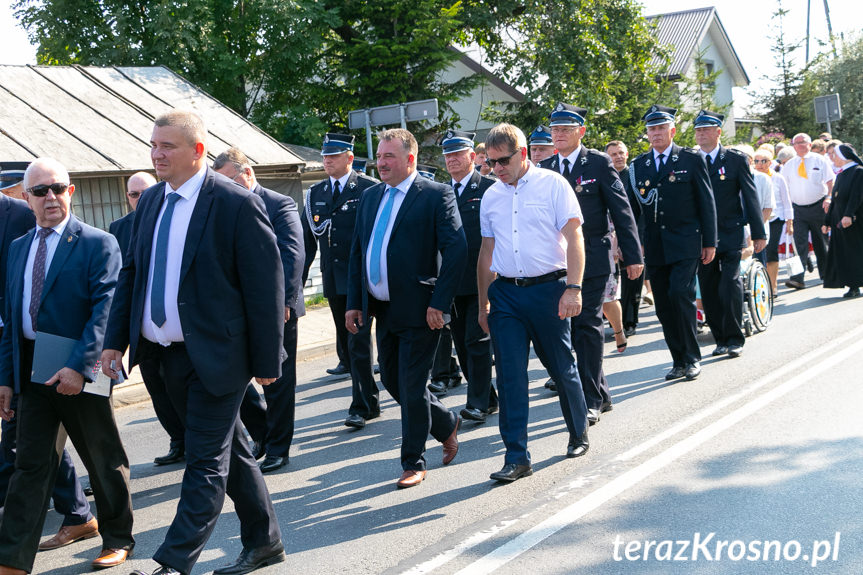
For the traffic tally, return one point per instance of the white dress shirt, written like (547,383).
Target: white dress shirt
(667,153)
(525,221)
(784,210)
(572,158)
(343,181)
(171,331)
(51,243)
(381,291)
(713,153)
(464,183)
(813,188)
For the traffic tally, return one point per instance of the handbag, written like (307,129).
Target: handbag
(793,263)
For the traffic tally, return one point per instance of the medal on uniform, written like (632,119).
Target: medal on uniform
(671,177)
(646,182)
(643,191)
(317,218)
(722,173)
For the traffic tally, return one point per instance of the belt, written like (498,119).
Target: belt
(525,282)
(812,205)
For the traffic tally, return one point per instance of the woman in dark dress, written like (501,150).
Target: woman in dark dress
(844,219)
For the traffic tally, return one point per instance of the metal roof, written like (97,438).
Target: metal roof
(95,119)
(685,31)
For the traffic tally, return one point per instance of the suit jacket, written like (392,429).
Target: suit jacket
(121,229)
(76,297)
(285,219)
(600,193)
(736,200)
(682,218)
(468,208)
(428,222)
(336,241)
(16,218)
(231,295)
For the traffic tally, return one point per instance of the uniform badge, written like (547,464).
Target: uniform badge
(559,107)
(69,240)
(646,182)
(317,218)
(326,139)
(473,186)
(643,191)
(583,160)
(674,158)
(344,207)
(578,188)
(450,134)
(671,178)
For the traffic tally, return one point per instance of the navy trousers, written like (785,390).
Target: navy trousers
(519,316)
(588,341)
(218,461)
(405,355)
(473,347)
(630,298)
(154,381)
(674,297)
(722,297)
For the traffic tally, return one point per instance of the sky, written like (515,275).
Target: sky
(747,23)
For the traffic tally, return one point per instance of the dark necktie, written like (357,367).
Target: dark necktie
(455,189)
(659,162)
(566,170)
(336,191)
(38,275)
(157,293)
(709,161)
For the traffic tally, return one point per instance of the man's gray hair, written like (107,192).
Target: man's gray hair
(806,137)
(189,123)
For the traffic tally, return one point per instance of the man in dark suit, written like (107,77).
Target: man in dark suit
(737,204)
(673,190)
(203,289)
(600,195)
(472,344)
(273,421)
(329,219)
(60,280)
(402,225)
(150,368)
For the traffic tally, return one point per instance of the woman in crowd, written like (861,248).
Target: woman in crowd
(783,213)
(844,220)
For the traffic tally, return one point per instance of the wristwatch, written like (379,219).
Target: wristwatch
(573,286)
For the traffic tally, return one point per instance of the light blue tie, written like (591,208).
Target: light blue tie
(157,293)
(378,237)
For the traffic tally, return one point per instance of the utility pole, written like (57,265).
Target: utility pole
(808,19)
(830,29)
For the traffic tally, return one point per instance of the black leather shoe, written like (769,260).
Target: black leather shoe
(273,462)
(577,446)
(606,406)
(851,293)
(735,350)
(355,421)
(473,414)
(511,472)
(720,350)
(162,570)
(340,369)
(676,373)
(174,455)
(88,491)
(258,450)
(455,381)
(592,416)
(492,409)
(629,331)
(550,385)
(794,284)
(692,371)
(252,559)
(438,387)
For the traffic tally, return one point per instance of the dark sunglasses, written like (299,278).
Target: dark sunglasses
(42,191)
(133,195)
(504,161)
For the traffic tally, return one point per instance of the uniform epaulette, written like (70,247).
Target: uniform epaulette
(736,151)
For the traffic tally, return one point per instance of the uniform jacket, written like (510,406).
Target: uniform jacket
(682,218)
(335,243)
(16,218)
(285,219)
(736,199)
(600,193)
(428,222)
(76,297)
(468,208)
(231,296)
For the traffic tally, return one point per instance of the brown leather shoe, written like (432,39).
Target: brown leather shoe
(450,446)
(4,570)
(411,478)
(110,558)
(69,534)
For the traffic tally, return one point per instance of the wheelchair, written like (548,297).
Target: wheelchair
(757,297)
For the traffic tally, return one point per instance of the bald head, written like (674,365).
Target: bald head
(45,166)
(136,185)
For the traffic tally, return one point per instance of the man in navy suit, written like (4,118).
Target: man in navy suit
(60,280)
(150,369)
(271,424)
(203,290)
(394,275)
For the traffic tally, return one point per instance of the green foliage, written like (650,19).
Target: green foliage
(693,93)
(842,76)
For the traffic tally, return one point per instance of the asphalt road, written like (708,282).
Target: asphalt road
(764,452)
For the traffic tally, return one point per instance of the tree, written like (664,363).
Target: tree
(599,54)
(842,76)
(691,94)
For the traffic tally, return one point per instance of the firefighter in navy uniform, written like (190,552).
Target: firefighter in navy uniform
(329,217)
(673,190)
(601,195)
(737,204)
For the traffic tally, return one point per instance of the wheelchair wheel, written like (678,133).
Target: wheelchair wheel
(758,296)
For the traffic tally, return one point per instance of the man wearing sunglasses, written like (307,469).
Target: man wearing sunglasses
(61,280)
(601,195)
(529,276)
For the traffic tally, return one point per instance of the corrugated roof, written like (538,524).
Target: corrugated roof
(685,31)
(100,119)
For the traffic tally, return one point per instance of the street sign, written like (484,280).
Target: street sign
(827,109)
(392,114)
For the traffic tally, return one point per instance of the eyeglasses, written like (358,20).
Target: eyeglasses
(42,191)
(504,161)
(134,194)
(761,161)
(562,129)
